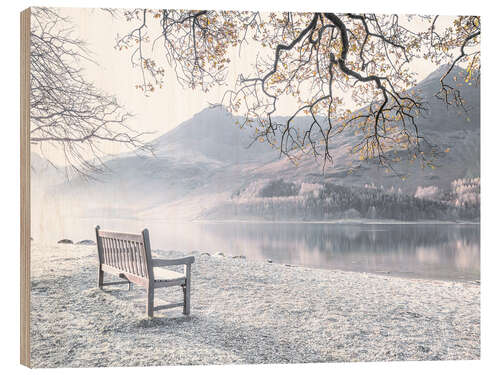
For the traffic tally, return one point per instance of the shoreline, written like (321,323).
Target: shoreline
(277,314)
(401,275)
(340,222)
(361,221)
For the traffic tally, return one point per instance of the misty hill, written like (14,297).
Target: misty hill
(213,135)
(207,158)
(446,127)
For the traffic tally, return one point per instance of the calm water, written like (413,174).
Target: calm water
(437,251)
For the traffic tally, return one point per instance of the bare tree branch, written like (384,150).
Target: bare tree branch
(316,59)
(67,111)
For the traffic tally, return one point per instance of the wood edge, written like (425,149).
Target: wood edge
(25,166)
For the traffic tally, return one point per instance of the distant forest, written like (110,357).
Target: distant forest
(284,200)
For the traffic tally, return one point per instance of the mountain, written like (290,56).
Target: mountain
(207,158)
(213,135)
(446,127)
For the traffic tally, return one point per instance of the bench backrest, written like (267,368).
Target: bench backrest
(126,252)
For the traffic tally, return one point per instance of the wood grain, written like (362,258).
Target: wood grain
(25,273)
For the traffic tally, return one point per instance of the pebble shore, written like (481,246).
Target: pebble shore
(245,311)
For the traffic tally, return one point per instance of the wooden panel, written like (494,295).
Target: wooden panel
(25,240)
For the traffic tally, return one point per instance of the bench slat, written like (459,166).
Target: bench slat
(115,283)
(103,251)
(116,243)
(125,275)
(114,251)
(169,306)
(133,258)
(144,263)
(123,248)
(110,251)
(139,256)
(130,257)
(172,262)
(167,283)
(121,236)
(138,259)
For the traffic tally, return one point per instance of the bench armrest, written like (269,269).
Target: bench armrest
(172,262)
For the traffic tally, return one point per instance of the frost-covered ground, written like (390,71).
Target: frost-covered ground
(245,312)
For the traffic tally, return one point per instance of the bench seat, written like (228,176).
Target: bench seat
(162,274)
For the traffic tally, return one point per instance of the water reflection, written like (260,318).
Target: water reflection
(443,251)
(430,251)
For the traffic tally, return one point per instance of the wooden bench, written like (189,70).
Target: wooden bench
(128,256)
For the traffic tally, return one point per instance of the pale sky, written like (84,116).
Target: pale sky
(166,107)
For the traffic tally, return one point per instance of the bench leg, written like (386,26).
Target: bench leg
(187,307)
(187,298)
(150,302)
(187,290)
(100,278)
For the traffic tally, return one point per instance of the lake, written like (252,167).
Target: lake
(435,251)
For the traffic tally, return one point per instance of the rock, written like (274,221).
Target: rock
(207,254)
(269,260)
(219,254)
(64,240)
(85,242)
(239,257)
